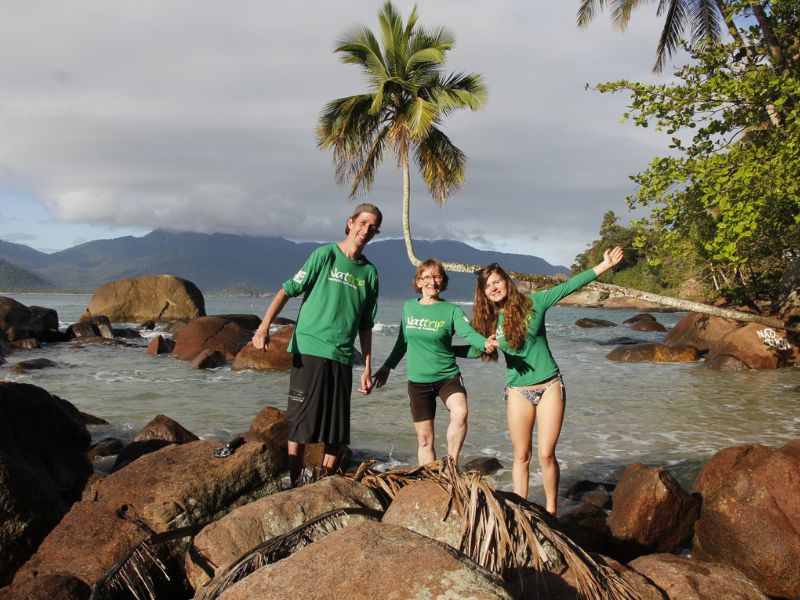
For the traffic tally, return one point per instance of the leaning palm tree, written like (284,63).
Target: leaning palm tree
(409,96)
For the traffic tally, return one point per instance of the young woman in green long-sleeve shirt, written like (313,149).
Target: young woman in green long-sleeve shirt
(534,388)
(425,338)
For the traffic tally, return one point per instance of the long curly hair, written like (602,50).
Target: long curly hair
(485,312)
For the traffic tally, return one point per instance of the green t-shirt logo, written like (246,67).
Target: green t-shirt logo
(425,324)
(300,276)
(346,278)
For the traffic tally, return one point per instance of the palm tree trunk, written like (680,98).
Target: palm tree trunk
(775,49)
(732,29)
(406,213)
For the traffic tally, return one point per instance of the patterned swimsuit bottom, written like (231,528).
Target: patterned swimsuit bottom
(535,396)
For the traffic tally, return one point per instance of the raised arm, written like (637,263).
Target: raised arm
(611,258)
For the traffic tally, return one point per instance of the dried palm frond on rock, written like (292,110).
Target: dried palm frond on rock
(504,533)
(282,546)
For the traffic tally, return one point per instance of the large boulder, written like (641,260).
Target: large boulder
(753,346)
(47,435)
(651,511)
(276,358)
(271,428)
(176,486)
(584,297)
(699,330)
(588,323)
(19,322)
(161,431)
(210,333)
(424,506)
(635,303)
(28,511)
(750,515)
(686,579)
(391,562)
(221,543)
(48,587)
(653,353)
(151,297)
(160,345)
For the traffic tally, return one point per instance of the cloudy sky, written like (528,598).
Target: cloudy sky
(120,117)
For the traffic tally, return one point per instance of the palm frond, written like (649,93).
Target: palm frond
(141,569)
(674,24)
(706,22)
(460,90)
(441,164)
(505,533)
(587,10)
(622,10)
(282,546)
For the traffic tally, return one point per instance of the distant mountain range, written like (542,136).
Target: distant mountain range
(219,262)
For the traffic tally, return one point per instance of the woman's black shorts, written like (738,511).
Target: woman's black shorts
(422,396)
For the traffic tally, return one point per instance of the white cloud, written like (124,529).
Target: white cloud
(200,116)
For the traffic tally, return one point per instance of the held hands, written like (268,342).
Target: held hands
(381,376)
(491,344)
(260,340)
(366,383)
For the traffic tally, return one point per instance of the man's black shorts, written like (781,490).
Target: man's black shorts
(319,400)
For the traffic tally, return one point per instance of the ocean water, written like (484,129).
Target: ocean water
(671,415)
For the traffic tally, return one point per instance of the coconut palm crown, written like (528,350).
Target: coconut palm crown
(409,96)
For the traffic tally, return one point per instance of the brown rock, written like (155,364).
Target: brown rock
(47,435)
(161,431)
(651,511)
(174,487)
(105,447)
(718,471)
(424,507)
(224,541)
(29,510)
(160,345)
(270,427)
(27,344)
(152,297)
(751,520)
(700,331)
(208,359)
(653,353)
(97,326)
(647,326)
(636,303)
(249,322)
(687,579)
(210,333)
(639,318)
(89,419)
(587,298)
(55,586)
(755,346)
(410,566)
(276,358)
(591,323)
(33,364)
(19,322)
(485,465)
(562,585)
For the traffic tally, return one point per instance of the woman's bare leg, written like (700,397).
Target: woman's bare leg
(425,452)
(457,430)
(521,417)
(551,417)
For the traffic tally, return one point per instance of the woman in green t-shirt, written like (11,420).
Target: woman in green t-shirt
(534,388)
(426,338)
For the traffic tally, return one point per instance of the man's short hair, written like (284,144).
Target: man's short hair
(365,207)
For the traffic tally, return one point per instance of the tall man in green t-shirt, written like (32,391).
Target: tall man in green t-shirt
(340,298)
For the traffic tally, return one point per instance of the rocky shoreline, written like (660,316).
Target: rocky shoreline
(174,516)
(174,519)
